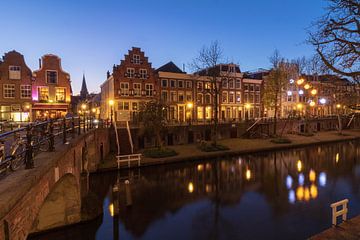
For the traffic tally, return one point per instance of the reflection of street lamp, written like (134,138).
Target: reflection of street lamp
(111,103)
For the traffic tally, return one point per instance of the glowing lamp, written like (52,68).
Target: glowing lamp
(307,86)
(312,104)
(191,187)
(301,92)
(111,102)
(289,93)
(314,92)
(300,81)
(322,100)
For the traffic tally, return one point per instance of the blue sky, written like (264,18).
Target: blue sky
(91,36)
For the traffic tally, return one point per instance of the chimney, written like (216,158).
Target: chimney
(39,62)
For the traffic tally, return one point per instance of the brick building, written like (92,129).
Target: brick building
(131,83)
(51,90)
(15,88)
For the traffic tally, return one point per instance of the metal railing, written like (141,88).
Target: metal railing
(128,158)
(40,136)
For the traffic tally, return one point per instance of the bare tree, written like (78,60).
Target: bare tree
(207,64)
(336,38)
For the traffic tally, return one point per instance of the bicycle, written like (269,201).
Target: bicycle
(15,158)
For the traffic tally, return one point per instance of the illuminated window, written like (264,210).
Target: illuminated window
(9,90)
(43,93)
(51,77)
(137,89)
(14,72)
(207,85)
(123,105)
(25,91)
(224,97)
(231,97)
(238,97)
(134,106)
(60,95)
(200,112)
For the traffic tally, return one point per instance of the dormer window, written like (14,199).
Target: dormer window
(14,72)
(51,77)
(136,59)
(231,69)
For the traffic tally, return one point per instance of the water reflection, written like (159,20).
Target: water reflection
(282,195)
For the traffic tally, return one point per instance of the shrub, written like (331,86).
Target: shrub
(159,152)
(209,147)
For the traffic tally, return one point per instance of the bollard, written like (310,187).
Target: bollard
(29,161)
(128,193)
(51,136)
(64,130)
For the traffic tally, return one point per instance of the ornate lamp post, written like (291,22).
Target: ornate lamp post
(83,107)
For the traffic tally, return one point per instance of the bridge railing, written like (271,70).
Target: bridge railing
(19,146)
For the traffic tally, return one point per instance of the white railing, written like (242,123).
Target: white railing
(130,138)
(342,212)
(128,158)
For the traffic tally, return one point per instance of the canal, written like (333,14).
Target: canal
(273,195)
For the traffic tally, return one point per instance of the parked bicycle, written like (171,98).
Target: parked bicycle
(15,157)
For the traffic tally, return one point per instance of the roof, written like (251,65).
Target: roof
(169,67)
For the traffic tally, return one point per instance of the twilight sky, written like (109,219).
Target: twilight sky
(92,35)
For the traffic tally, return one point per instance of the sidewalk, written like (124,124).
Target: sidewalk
(239,146)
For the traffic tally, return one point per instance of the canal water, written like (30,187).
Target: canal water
(274,195)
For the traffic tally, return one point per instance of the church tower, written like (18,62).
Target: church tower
(84,92)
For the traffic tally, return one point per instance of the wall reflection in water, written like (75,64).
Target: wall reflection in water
(281,195)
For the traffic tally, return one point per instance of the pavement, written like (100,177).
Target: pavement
(237,146)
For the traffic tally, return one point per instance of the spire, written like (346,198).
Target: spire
(84,92)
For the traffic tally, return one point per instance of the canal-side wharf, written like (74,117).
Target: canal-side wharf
(348,230)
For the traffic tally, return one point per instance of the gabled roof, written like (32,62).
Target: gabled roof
(169,67)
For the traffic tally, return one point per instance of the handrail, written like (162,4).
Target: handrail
(128,158)
(130,137)
(342,212)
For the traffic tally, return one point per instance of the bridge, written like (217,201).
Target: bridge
(52,189)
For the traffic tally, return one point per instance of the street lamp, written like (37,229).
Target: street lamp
(111,103)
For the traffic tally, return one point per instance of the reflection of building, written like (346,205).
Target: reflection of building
(15,88)
(51,89)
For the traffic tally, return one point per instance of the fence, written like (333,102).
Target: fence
(22,143)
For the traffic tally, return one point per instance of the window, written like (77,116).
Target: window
(231,69)
(9,90)
(60,95)
(231,83)
(238,97)
(181,96)
(143,73)
(172,83)
(51,77)
(224,83)
(124,89)
(200,112)
(199,98)
(231,97)
(246,97)
(123,106)
(164,96)
(238,83)
(14,72)
(135,106)
(207,99)
(130,72)
(25,91)
(207,86)
(251,87)
(257,87)
(137,89)
(136,59)
(251,98)
(257,98)
(224,97)
(180,83)
(173,96)
(246,87)
(43,93)
(149,90)
(188,84)
(164,83)
(200,86)
(188,96)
